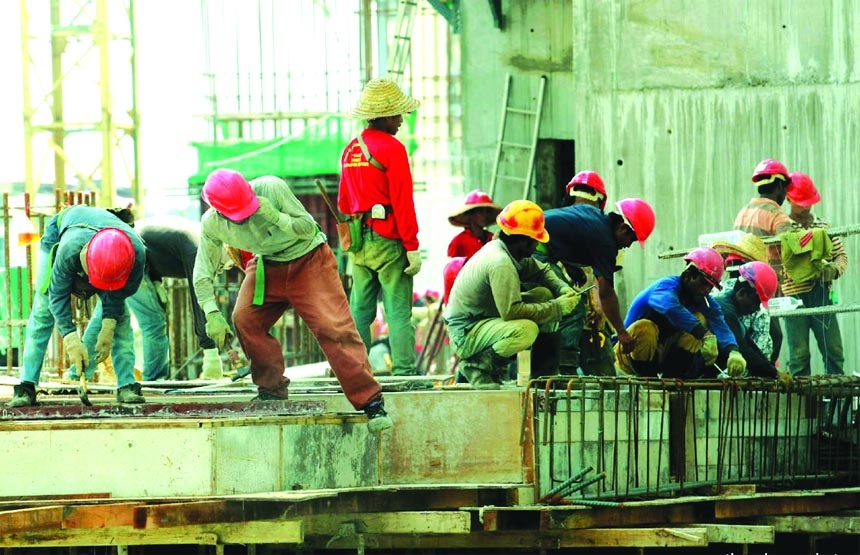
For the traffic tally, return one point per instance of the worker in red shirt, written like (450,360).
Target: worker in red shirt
(376,185)
(478,212)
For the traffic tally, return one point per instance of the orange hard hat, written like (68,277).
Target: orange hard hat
(110,258)
(523,217)
(639,215)
(228,192)
(768,170)
(763,277)
(709,262)
(802,191)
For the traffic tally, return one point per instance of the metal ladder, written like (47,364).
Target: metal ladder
(402,40)
(506,145)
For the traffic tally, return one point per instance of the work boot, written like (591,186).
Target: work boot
(24,395)
(377,418)
(281,393)
(130,394)
(479,370)
(212,369)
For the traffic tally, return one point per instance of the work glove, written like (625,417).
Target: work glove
(76,352)
(217,328)
(567,302)
(736,365)
(414,258)
(709,349)
(829,272)
(104,343)
(785,379)
(267,211)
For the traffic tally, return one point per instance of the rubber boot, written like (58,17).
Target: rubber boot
(545,355)
(130,394)
(24,395)
(479,370)
(212,368)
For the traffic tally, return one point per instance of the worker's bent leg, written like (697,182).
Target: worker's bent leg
(152,320)
(313,287)
(253,323)
(643,360)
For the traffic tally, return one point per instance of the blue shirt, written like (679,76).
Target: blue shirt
(661,303)
(582,234)
(70,230)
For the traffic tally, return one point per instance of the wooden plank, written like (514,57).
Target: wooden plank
(37,518)
(99,516)
(813,524)
(417,522)
(254,532)
(640,515)
(636,537)
(179,514)
(788,505)
(738,533)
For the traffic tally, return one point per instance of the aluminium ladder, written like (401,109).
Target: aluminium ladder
(402,41)
(513,151)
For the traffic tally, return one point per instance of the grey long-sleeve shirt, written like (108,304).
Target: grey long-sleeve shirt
(295,234)
(489,286)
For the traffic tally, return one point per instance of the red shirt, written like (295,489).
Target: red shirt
(363,185)
(467,243)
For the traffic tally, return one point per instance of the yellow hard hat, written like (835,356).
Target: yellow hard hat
(523,217)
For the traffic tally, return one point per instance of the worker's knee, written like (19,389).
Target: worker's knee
(646,333)
(521,336)
(537,295)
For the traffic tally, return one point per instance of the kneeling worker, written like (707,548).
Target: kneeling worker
(488,316)
(675,319)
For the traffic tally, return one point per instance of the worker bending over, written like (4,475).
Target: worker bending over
(293,266)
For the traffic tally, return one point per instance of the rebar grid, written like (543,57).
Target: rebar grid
(654,437)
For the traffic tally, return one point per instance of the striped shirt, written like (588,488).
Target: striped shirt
(838,257)
(765,218)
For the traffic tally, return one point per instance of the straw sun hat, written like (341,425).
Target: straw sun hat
(474,200)
(748,246)
(382,98)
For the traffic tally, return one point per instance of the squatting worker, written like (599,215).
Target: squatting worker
(376,186)
(294,267)
(83,248)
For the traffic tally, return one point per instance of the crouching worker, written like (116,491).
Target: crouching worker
(755,286)
(293,266)
(675,320)
(84,249)
(488,316)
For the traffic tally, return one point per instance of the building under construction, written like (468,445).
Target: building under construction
(671,105)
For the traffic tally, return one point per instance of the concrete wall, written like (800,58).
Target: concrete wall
(676,102)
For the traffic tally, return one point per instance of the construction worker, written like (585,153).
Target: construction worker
(376,186)
(489,318)
(294,266)
(586,187)
(171,247)
(675,319)
(749,248)
(756,285)
(476,213)
(814,291)
(83,248)
(586,242)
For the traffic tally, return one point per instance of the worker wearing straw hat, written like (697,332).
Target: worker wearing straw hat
(474,215)
(376,186)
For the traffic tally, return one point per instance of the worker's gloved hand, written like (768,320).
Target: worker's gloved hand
(76,351)
(414,258)
(829,272)
(785,379)
(627,341)
(566,291)
(104,343)
(566,303)
(737,365)
(217,328)
(267,211)
(710,349)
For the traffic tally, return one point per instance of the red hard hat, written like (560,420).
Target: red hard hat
(767,170)
(588,178)
(228,192)
(802,191)
(110,258)
(763,277)
(639,215)
(709,262)
(449,273)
